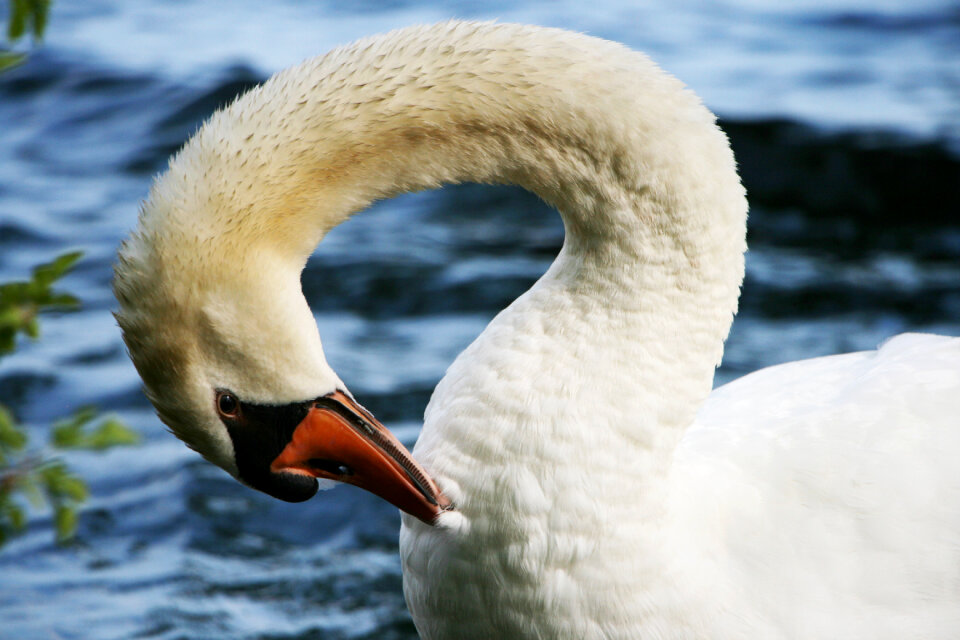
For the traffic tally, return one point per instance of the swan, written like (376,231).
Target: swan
(576,476)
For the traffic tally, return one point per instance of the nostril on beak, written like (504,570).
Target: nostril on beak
(330,466)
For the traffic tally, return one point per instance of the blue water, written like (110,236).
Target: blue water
(846,122)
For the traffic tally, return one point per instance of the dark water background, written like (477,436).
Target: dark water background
(845,119)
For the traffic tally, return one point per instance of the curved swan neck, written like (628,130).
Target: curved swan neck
(594,129)
(644,180)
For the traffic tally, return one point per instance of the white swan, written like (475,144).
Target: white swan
(819,499)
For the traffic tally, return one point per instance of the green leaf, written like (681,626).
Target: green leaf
(18,19)
(60,484)
(22,11)
(41,9)
(11,438)
(68,433)
(21,302)
(73,487)
(79,419)
(10,59)
(27,485)
(112,433)
(32,328)
(46,274)
(66,436)
(7,340)
(65,522)
(15,515)
(72,433)
(50,473)
(64,300)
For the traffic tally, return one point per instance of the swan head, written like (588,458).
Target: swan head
(216,324)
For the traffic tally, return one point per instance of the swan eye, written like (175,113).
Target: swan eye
(227,404)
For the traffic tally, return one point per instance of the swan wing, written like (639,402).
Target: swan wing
(836,475)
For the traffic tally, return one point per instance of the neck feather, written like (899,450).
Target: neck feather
(646,285)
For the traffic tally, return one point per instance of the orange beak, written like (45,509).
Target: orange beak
(340,440)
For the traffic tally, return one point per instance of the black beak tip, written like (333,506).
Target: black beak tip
(289,487)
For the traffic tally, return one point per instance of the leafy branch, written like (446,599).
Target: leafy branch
(37,478)
(22,302)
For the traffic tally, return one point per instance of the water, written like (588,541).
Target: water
(845,121)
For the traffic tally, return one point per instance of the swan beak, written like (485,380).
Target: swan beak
(340,440)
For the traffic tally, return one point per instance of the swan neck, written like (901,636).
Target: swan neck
(644,180)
